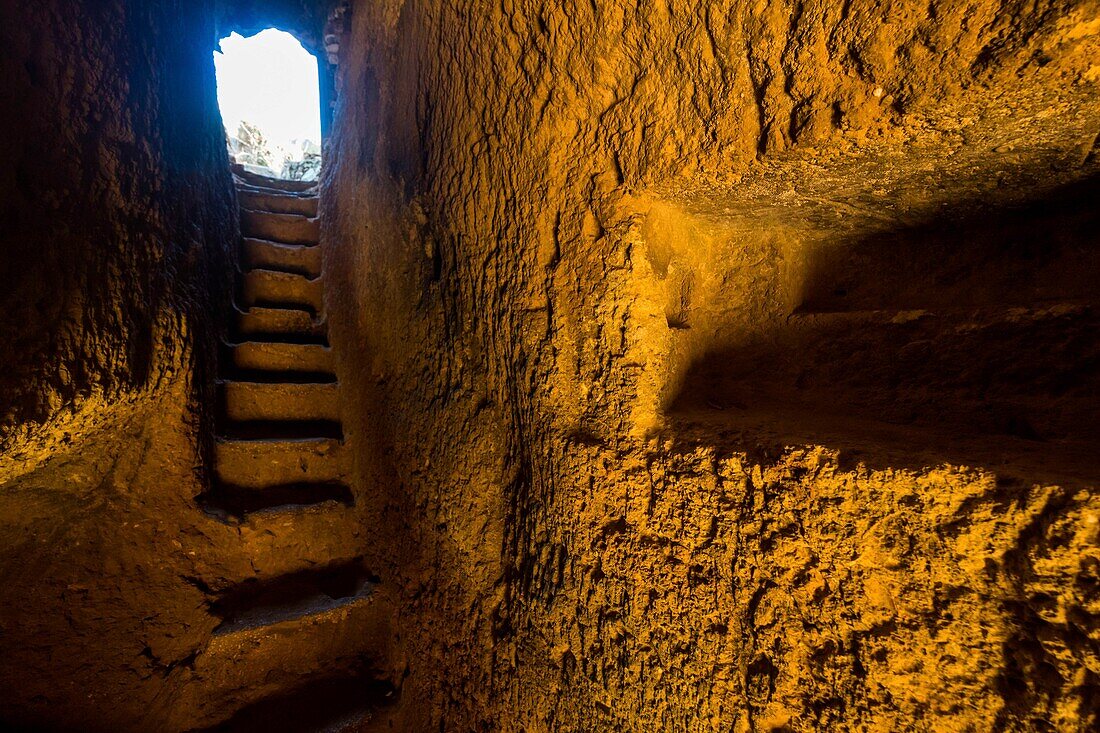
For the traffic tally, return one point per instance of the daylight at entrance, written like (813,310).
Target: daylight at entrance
(270,103)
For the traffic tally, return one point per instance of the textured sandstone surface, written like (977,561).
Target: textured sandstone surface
(119,225)
(118,220)
(727,366)
(702,366)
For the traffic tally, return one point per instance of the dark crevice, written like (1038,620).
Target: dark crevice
(289,269)
(281,429)
(281,305)
(242,308)
(338,704)
(240,501)
(304,339)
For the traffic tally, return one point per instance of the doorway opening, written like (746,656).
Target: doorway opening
(269,95)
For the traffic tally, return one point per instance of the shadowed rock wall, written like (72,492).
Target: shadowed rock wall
(117,209)
(118,217)
(726,366)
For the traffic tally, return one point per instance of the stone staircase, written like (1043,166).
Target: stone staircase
(279,430)
(306,626)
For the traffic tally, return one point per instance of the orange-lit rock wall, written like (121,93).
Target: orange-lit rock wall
(726,366)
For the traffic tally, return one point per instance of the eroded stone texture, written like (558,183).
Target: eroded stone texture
(726,366)
(125,602)
(117,226)
(114,215)
(702,366)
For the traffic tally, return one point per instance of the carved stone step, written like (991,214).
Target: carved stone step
(255,198)
(293,258)
(270,288)
(274,654)
(287,228)
(282,357)
(255,602)
(281,541)
(289,322)
(255,464)
(1012,372)
(255,401)
(245,177)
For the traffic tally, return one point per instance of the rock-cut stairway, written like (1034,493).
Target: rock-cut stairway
(308,628)
(280,440)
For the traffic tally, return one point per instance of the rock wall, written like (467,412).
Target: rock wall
(725,366)
(118,218)
(117,209)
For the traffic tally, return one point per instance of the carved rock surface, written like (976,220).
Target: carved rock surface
(701,366)
(735,361)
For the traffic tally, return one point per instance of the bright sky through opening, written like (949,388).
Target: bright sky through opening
(270,81)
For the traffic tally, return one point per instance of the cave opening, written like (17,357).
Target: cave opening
(270,101)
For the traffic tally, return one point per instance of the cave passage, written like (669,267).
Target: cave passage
(269,96)
(629,367)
